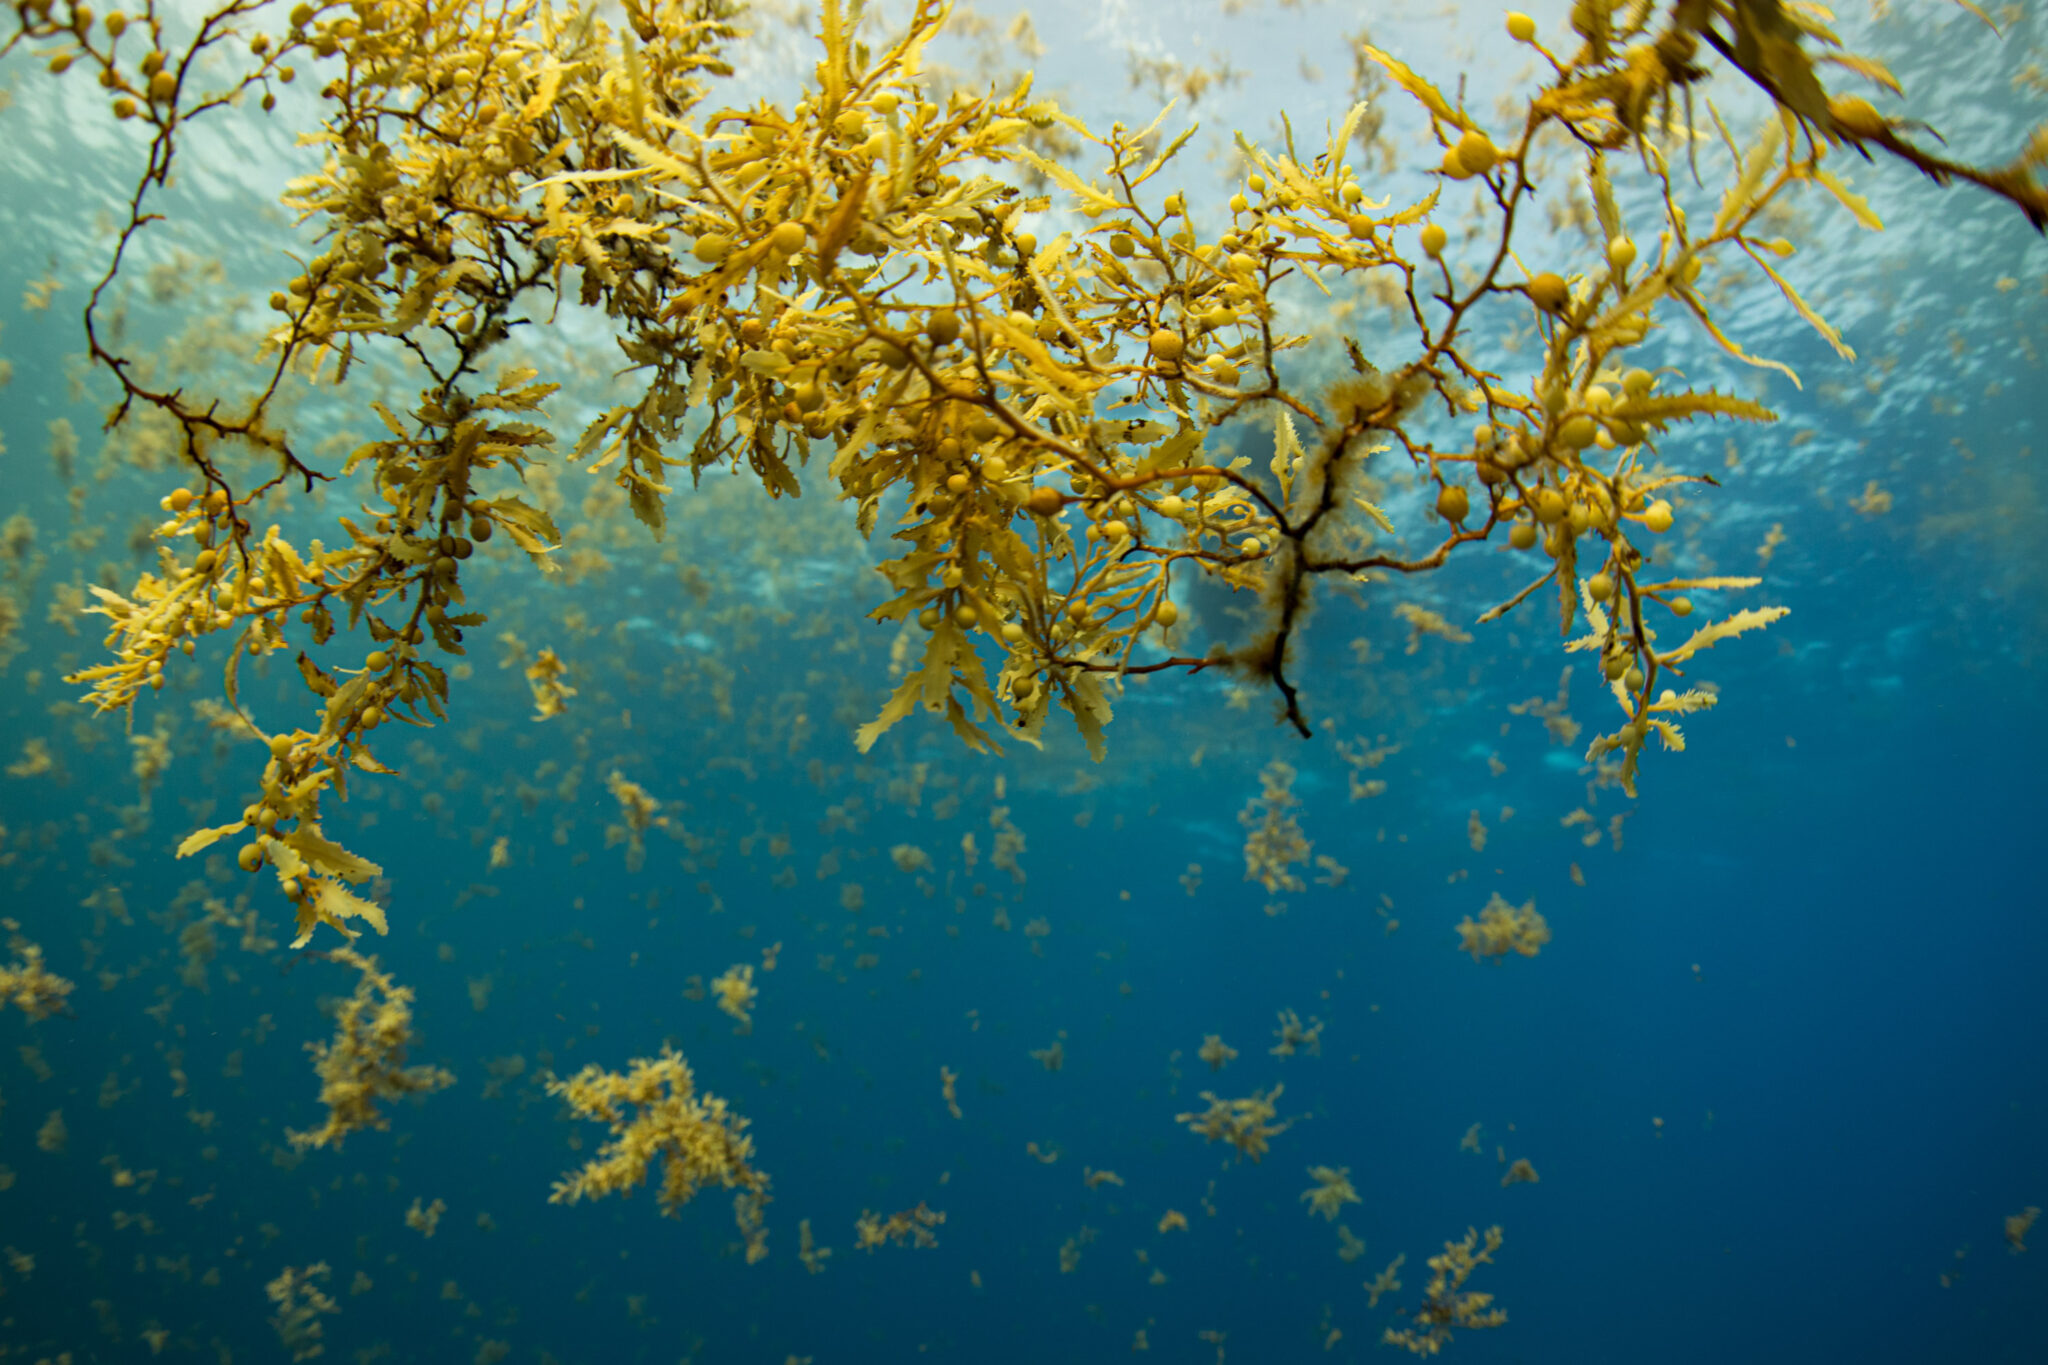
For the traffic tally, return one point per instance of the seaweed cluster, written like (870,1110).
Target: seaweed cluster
(656,1116)
(850,274)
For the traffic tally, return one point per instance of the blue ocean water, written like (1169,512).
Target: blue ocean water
(1779,1068)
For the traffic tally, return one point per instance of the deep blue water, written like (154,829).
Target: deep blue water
(1850,1087)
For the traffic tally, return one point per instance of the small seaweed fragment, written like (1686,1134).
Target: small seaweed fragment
(736,994)
(1332,1191)
(548,676)
(1297,1038)
(808,1251)
(639,811)
(1246,1124)
(1503,928)
(1274,844)
(424,1219)
(1446,1303)
(26,983)
(300,1303)
(365,1062)
(912,1226)
(948,1078)
(1388,1281)
(656,1114)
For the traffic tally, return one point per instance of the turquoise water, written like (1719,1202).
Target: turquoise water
(1779,1068)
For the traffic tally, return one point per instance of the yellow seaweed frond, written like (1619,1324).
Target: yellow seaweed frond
(1750,618)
